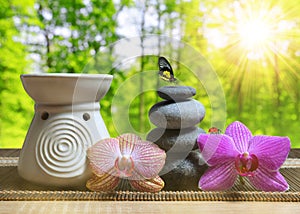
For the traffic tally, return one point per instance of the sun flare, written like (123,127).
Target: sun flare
(259,41)
(256,29)
(254,33)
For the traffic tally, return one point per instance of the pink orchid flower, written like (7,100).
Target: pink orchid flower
(126,157)
(239,153)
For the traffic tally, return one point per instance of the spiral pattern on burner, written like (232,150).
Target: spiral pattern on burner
(61,148)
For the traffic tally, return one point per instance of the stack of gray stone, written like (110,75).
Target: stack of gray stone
(177,119)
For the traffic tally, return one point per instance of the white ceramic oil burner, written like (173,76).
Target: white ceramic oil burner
(66,122)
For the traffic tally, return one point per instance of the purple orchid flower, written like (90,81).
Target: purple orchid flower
(239,153)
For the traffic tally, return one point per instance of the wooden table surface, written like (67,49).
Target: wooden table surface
(145,206)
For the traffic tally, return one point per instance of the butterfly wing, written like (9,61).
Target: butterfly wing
(165,70)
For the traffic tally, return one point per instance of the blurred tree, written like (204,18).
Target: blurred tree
(15,106)
(73,31)
(262,89)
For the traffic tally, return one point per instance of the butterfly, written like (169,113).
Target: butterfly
(214,130)
(165,70)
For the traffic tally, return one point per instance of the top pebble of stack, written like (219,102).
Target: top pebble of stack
(176,93)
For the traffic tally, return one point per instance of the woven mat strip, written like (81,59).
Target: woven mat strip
(143,196)
(290,170)
(291,163)
(8,161)
(13,161)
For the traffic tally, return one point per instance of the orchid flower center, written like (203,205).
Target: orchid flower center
(124,165)
(246,164)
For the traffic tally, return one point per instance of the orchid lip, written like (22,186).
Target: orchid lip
(125,166)
(246,164)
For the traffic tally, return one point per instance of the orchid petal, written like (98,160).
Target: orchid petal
(103,155)
(267,180)
(127,143)
(149,185)
(220,177)
(240,135)
(216,148)
(106,182)
(270,151)
(148,159)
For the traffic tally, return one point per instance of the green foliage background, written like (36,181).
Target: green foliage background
(63,36)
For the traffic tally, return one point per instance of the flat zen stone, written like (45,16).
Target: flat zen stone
(176,92)
(175,140)
(177,115)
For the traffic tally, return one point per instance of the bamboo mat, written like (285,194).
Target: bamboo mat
(12,187)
